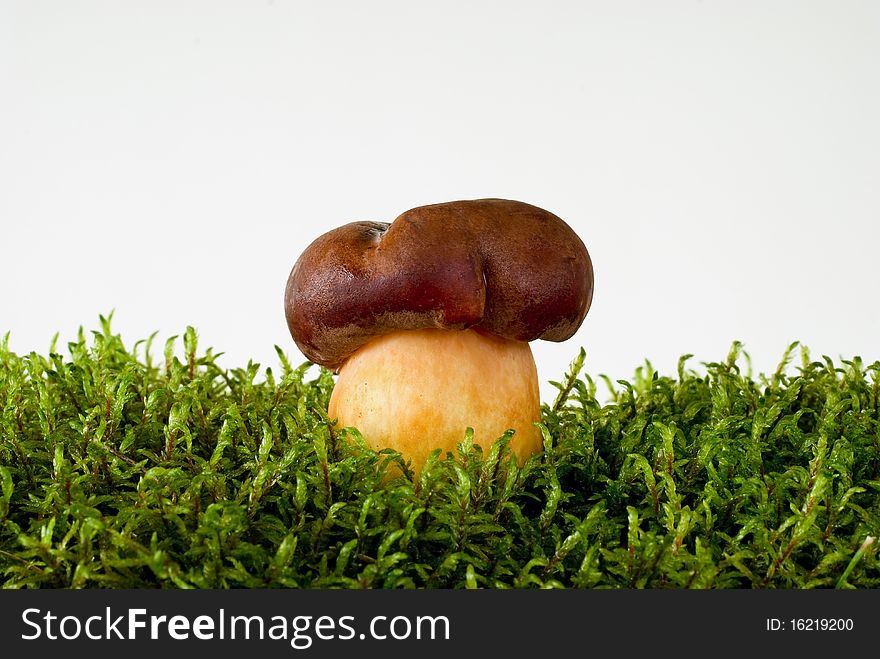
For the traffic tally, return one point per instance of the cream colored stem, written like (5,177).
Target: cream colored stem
(417,390)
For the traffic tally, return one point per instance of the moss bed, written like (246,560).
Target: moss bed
(118,470)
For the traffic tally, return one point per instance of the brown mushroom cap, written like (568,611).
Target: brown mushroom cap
(493,265)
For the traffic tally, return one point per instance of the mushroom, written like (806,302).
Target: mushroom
(427,320)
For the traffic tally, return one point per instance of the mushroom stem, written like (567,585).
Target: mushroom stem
(417,390)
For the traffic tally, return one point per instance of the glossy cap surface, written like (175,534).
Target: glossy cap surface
(498,266)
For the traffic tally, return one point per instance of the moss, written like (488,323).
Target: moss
(120,472)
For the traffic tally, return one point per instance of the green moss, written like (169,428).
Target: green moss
(119,472)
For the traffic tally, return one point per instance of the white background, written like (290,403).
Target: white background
(172,159)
